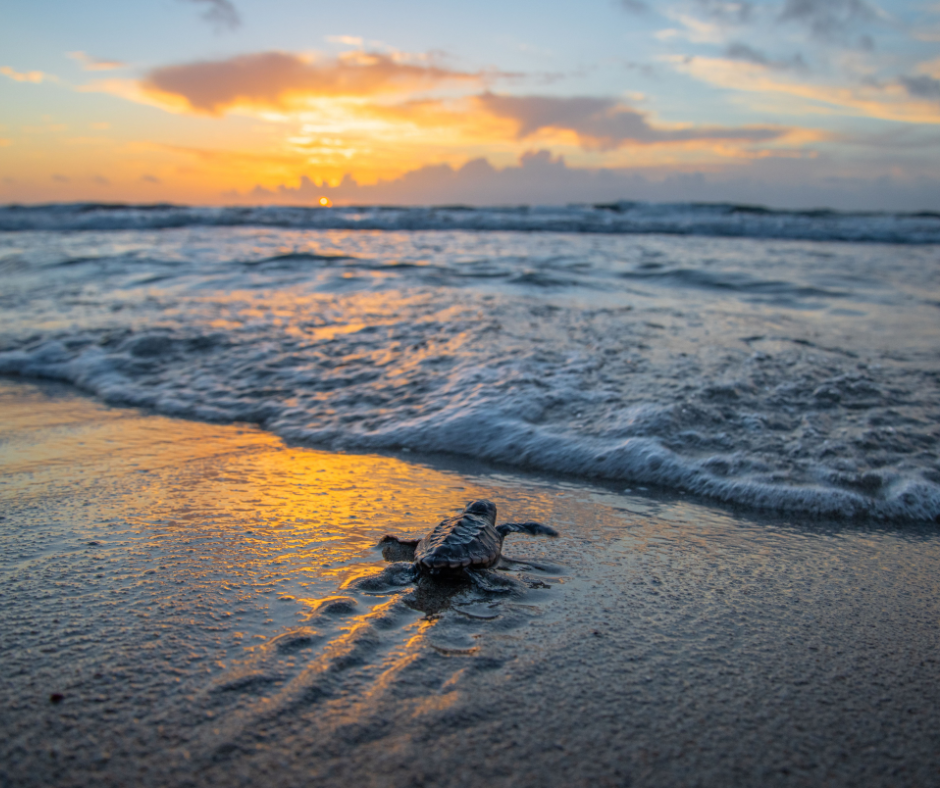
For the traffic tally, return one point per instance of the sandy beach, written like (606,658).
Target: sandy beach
(184,605)
(658,279)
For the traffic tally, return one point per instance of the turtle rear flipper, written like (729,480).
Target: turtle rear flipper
(392,577)
(528,527)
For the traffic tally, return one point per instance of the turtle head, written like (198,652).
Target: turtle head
(482,507)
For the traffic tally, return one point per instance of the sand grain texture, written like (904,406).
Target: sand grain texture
(192,593)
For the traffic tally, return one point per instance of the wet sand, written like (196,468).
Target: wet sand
(184,604)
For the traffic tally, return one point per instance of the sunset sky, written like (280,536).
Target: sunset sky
(789,103)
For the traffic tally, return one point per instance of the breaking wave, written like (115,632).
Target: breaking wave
(717,220)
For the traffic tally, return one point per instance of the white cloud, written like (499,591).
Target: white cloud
(352,41)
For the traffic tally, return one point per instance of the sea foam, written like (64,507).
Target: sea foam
(793,376)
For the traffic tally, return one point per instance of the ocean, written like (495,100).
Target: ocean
(728,414)
(782,361)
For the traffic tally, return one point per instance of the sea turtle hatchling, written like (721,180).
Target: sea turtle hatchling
(466,543)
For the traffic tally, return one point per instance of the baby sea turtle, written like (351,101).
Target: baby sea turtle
(466,543)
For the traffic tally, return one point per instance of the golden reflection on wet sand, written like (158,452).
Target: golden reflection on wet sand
(195,594)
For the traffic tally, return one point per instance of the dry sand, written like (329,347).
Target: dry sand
(180,607)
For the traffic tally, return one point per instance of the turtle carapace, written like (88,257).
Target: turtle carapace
(467,542)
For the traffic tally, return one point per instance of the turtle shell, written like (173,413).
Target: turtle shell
(468,539)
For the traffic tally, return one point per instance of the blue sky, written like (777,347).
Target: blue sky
(791,103)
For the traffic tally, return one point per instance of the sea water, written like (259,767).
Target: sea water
(785,361)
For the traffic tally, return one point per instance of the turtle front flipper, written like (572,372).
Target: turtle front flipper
(390,538)
(528,527)
(395,548)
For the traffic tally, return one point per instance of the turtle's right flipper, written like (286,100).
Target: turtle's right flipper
(508,562)
(528,527)
(484,582)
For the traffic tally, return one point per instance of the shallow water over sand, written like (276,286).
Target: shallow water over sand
(190,591)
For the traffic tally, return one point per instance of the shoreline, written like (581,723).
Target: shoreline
(189,590)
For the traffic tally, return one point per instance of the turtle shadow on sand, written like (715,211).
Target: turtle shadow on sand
(456,555)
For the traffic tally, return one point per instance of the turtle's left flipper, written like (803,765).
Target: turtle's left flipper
(396,549)
(390,538)
(508,562)
(533,529)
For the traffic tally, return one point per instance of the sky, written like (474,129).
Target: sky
(785,103)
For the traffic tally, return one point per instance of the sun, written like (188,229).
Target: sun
(325,202)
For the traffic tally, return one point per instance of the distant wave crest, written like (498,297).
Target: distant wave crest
(713,219)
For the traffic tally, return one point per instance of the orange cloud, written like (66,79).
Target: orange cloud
(590,123)
(345,104)
(284,81)
(95,64)
(379,116)
(604,124)
(225,157)
(29,76)
(461,121)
